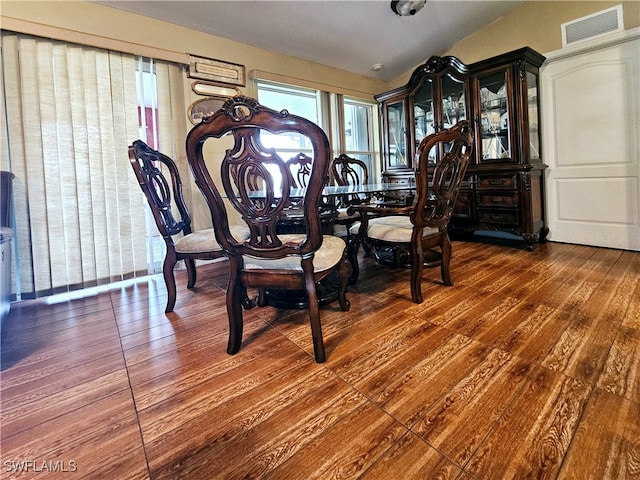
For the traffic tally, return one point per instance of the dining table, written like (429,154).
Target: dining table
(391,194)
(396,194)
(374,189)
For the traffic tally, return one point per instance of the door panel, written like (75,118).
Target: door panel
(591,110)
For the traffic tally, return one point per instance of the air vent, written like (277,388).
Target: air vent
(595,25)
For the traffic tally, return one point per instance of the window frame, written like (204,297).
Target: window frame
(331,118)
(373,136)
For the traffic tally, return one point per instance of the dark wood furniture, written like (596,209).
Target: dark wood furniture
(292,219)
(267,259)
(327,289)
(202,245)
(349,172)
(503,190)
(300,169)
(423,225)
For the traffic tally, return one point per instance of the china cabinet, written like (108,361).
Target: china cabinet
(503,189)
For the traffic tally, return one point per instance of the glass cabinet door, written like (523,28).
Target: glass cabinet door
(494,118)
(453,101)
(534,133)
(423,114)
(396,135)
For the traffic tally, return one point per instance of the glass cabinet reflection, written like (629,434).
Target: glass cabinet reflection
(397,134)
(423,114)
(494,117)
(532,100)
(453,101)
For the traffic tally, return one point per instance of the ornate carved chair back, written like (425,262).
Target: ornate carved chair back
(147,164)
(348,171)
(249,164)
(300,169)
(171,215)
(267,259)
(436,192)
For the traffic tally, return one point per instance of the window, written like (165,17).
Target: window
(147,93)
(354,121)
(148,126)
(69,114)
(298,101)
(359,132)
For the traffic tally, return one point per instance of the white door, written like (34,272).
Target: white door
(590,105)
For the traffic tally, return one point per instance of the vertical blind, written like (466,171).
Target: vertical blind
(162,115)
(69,114)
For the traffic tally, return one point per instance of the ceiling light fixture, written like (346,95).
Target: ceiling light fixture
(377,67)
(406,8)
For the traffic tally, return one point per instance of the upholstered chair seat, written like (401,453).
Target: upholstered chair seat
(205,240)
(393,229)
(343,214)
(327,256)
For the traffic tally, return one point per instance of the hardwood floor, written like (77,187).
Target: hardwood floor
(528,367)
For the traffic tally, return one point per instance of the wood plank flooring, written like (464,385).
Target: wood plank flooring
(528,367)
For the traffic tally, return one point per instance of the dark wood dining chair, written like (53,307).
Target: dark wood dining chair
(172,216)
(300,169)
(293,221)
(423,225)
(267,259)
(347,171)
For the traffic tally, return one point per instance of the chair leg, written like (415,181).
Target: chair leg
(417,265)
(314,313)
(396,257)
(235,298)
(368,249)
(248,303)
(353,244)
(446,259)
(262,297)
(191,272)
(169,281)
(345,270)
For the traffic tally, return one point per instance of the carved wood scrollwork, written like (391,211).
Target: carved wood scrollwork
(521,68)
(241,108)
(434,64)
(525,179)
(244,172)
(160,192)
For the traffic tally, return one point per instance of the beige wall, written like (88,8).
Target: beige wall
(535,24)
(96,25)
(86,22)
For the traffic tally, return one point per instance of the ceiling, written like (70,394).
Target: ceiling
(350,35)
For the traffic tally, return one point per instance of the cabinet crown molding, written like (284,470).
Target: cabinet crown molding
(436,64)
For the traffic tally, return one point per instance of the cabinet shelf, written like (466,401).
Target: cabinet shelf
(500,133)
(495,105)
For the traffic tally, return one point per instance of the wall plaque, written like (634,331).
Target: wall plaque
(216,71)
